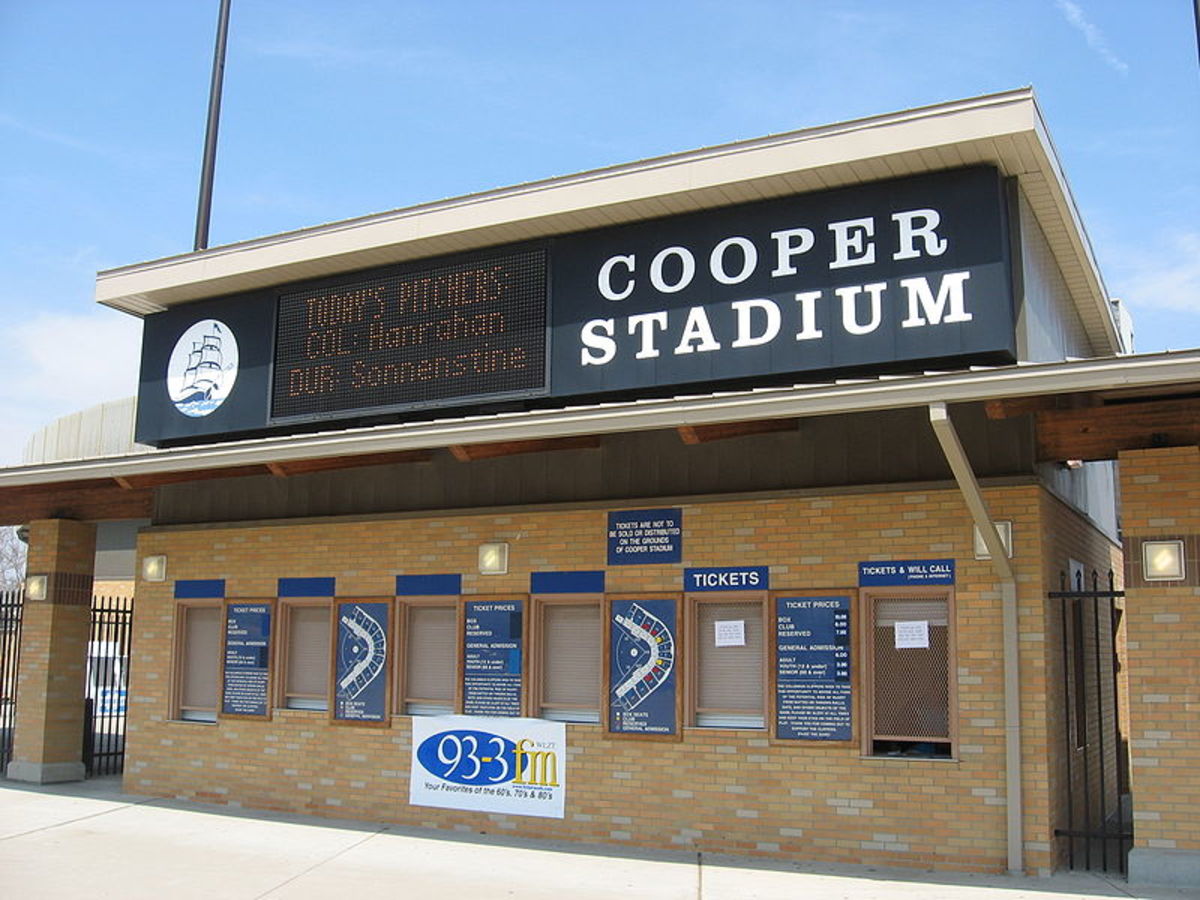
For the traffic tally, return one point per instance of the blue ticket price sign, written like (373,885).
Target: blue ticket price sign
(812,668)
(247,655)
(360,682)
(493,658)
(642,677)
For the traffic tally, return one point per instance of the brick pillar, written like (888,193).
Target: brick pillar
(1160,499)
(48,737)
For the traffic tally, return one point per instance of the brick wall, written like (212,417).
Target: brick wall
(1161,499)
(715,790)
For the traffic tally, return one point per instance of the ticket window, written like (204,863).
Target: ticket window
(568,641)
(198,657)
(430,662)
(305,654)
(909,702)
(728,673)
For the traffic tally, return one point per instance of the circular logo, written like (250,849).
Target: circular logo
(203,368)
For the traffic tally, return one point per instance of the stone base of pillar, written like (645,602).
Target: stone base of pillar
(46,773)
(1180,868)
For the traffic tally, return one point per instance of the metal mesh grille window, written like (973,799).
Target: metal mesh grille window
(570,660)
(910,692)
(199,671)
(306,651)
(431,660)
(729,679)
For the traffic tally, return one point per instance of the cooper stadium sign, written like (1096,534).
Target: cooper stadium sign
(887,276)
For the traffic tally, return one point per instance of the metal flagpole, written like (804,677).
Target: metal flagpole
(204,209)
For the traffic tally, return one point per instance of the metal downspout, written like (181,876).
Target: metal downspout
(943,429)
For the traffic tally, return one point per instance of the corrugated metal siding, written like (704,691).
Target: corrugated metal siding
(1049,327)
(833,451)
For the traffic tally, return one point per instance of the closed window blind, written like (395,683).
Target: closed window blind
(912,684)
(201,662)
(571,662)
(307,685)
(431,660)
(729,680)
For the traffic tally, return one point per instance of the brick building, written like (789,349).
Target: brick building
(760,486)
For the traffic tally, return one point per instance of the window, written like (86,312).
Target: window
(430,669)
(728,664)
(304,652)
(199,661)
(910,694)
(569,642)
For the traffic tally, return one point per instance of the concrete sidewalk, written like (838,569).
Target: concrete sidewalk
(90,839)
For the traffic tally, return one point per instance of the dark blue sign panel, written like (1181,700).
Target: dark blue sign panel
(247,659)
(812,668)
(639,537)
(492,668)
(642,682)
(360,669)
(872,276)
(898,573)
(736,578)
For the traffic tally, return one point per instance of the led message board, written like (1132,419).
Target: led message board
(408,338)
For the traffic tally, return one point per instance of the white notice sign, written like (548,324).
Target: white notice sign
(730,634)
(912,635)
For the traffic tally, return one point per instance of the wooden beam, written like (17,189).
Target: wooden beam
(1103,432)
(71,501)
(703,434)
(329,463)
(1019,406)
(472,452)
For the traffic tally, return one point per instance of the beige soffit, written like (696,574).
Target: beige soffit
(1003,129)
(1110,375)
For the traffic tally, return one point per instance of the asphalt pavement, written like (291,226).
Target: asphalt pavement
(90,839)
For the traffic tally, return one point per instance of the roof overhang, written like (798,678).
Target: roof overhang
(1005,130)
(1130,377)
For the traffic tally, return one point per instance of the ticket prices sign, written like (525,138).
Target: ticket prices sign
(360,668)
(493,658)
(247,659)
(645,537)
(514,766)
(642,686)
(812,668)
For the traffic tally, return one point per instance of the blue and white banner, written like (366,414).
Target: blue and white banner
(514,766)
(901,572)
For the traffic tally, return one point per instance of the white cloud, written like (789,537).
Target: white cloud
(1095,38)
(59,363)
(1164,278)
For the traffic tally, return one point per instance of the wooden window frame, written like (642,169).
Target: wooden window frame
(692,602)
(536,648)
(178,710)
(404,605)
(283,609)
(868,598)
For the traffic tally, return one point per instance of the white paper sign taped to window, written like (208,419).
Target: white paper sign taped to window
(730,634)
(911,635)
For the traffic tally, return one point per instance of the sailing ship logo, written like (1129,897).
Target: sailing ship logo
(203,368)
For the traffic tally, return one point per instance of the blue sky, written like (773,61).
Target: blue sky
(334,110)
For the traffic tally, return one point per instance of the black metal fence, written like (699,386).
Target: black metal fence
(1099,826)
(107,686)
(11,606)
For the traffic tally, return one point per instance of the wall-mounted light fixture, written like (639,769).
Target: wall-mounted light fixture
(1162,560)
(493,559)
(1005,530)
(36,587)
(154,568)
